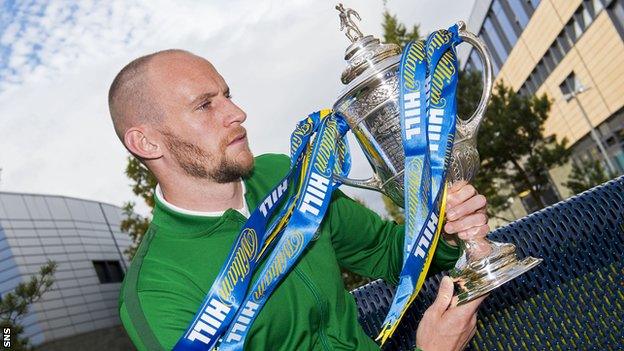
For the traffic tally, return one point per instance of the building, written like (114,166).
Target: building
(571,50)
(84,239)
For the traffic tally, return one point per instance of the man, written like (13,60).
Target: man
(173,111)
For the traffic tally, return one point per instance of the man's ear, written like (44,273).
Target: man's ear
(141,143)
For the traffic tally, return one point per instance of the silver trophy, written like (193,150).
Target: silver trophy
(370,105)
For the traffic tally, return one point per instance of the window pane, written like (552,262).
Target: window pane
(505,23)
(587,17)
(496,41)
(100,269)
(116,274)
(496,61)
(549,62)
(476,61)
(521,16)
(556,53)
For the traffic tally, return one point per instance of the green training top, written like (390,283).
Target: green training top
(181,255)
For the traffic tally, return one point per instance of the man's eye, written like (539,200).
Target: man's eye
(228,95)
(204,105)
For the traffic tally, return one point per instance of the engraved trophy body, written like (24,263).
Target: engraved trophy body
(369,103)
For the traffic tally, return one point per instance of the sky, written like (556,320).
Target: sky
(281,59)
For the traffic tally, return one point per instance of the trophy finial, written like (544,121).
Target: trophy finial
(346,22)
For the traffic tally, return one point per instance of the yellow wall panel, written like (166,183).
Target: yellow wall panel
(565,8)
(542,30)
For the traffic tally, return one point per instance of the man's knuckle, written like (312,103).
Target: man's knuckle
(483,219)
(481,200)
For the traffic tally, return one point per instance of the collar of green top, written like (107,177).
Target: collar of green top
(188,225)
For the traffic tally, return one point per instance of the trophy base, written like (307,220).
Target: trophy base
(478,277)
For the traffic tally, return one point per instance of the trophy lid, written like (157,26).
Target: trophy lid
(365,51)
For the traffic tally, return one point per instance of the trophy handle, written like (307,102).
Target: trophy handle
(470,126)
(372,183)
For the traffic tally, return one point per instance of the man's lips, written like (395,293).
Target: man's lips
(240,138)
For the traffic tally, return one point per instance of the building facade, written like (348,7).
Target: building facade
(570,50)
(84,239)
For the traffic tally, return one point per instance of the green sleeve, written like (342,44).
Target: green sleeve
(370,246)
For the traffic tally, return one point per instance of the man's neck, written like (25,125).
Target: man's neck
(203,195)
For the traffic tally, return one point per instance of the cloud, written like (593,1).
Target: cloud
(281,59)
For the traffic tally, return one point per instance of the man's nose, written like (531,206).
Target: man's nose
(234,114)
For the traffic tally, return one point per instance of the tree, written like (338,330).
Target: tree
(396,33)
(14,305)
(585,175)
(515,154)
(143,184)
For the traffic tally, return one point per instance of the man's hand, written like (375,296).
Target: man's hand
(465,213)
(444,325)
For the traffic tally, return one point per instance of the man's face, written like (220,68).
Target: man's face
(201,127)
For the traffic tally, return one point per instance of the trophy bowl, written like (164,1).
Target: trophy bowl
(370,105)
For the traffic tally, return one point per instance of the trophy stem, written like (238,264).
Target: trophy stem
(476,274)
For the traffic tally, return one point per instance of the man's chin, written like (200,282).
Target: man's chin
(245,161)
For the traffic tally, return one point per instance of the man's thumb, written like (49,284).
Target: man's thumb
(445,294)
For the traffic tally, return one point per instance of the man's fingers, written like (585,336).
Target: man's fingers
(461,194)
(474,220)
(445,294)
(470,205)
(472,306)
(457,186)
(474,232)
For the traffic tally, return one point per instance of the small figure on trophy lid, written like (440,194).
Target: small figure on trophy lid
(352,32)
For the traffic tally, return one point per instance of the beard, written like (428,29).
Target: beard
(198,163)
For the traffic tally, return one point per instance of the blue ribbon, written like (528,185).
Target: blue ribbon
(427,87)
(225,297)
(314,199)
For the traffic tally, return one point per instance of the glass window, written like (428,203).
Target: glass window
(541,73)
(616,12)
(499,48)
(594,6)
(532,83)
(556,53)
(505,23)
(534,3)
(569,85)
(563,42)
(476,60)
(522,17)
(549,62)
(587,17)
(108,271)
(496,62)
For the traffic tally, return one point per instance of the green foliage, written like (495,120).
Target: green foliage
(143,184)
(144,181)
(352,280)
(395,212)
(515,154)
(396,33)
(585,175)
(14,305)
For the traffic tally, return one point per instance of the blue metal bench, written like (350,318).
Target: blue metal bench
(574,300)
